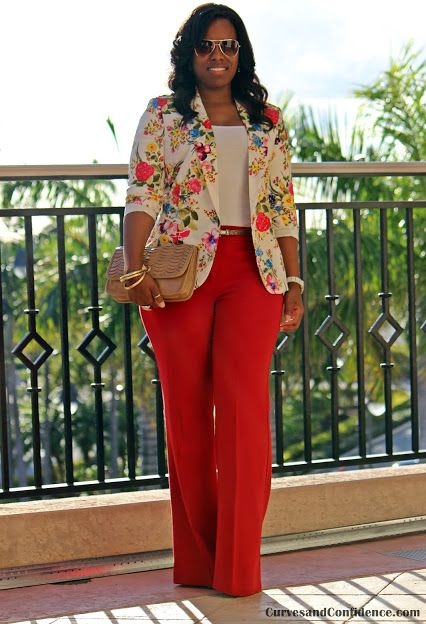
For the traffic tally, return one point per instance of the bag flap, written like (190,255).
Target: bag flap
(168,261)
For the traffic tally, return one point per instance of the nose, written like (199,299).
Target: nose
(216,52)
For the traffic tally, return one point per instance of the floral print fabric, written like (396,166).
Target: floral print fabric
(173,177)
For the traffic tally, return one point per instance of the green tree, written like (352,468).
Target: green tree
(390,126)
(45,248)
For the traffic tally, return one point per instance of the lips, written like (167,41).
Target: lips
(217,69)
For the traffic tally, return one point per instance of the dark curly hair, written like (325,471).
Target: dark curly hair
(245,86)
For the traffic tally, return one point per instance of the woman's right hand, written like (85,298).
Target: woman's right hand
(147,294)
(136,230)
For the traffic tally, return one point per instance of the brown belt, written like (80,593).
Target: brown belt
(236,231)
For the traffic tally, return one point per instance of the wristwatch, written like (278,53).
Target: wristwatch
(297,280)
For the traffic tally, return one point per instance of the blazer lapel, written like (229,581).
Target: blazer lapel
(258,146)
(206,148)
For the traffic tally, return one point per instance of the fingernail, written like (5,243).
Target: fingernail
(162,304)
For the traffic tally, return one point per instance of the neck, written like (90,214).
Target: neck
(216,97)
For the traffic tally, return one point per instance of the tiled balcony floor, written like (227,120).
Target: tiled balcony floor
(330,584)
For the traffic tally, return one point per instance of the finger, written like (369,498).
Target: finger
(289,328)
(288,325)
(158,299)
(291,321)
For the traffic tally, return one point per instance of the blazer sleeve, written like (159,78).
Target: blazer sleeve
(284,220)
(145,189)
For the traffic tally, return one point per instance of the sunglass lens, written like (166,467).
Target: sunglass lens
(230,46)
(204,48)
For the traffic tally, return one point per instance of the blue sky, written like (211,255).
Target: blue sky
(68,66)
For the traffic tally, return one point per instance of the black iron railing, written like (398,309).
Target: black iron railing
(80,399)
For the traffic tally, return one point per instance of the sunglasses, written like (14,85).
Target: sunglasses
(228,47)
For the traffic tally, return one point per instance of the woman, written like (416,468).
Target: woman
(210,166)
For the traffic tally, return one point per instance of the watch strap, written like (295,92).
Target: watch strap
(297,280)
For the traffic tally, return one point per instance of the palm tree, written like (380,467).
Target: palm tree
(390,126)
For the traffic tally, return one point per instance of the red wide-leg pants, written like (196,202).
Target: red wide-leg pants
(214,353)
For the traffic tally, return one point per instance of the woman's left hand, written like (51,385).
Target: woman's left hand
(293,309)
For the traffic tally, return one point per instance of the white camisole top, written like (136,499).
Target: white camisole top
(232,150)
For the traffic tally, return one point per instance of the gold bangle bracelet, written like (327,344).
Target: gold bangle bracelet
(141,278)
(138,273)
(128,276)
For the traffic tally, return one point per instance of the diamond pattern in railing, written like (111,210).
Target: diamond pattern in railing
(33,350)
(284,343)
(386,330)
(146,347)
(332,333)
(105,347)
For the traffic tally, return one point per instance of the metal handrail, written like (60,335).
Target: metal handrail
(120,171)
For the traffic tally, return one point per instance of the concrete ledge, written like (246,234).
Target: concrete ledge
(79,528)
(340,499)
(94,527)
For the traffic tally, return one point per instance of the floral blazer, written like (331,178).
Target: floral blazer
(173,177)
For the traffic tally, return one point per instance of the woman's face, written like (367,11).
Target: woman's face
(216,70)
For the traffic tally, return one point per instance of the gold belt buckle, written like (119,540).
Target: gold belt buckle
(236,232)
